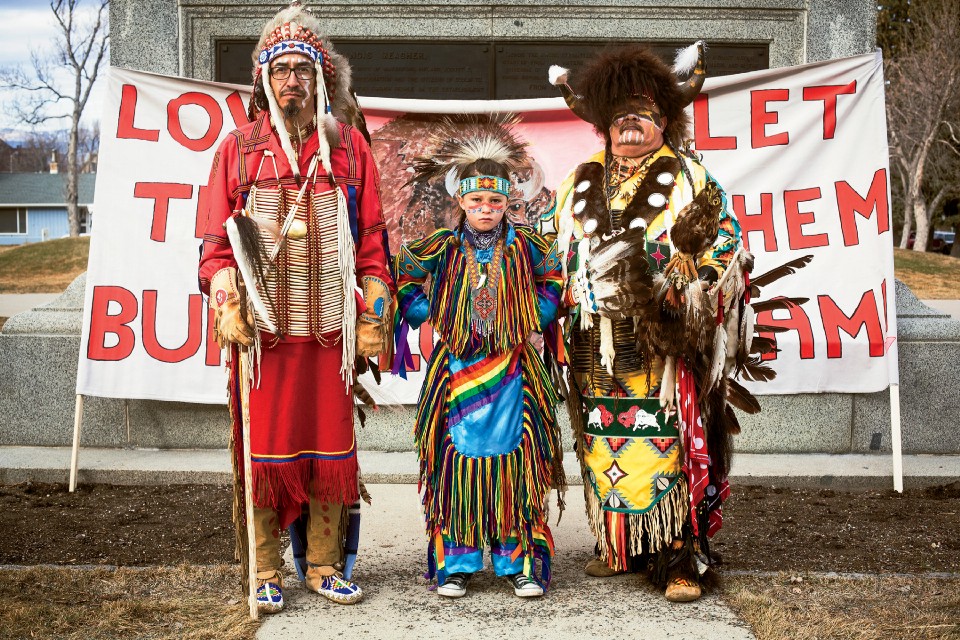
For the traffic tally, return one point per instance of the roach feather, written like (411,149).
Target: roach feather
(458,141)
(738,396)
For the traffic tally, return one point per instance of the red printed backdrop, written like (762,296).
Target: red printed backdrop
(801,152)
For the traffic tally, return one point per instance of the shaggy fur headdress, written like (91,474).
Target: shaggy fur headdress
(296,30)
(613,77)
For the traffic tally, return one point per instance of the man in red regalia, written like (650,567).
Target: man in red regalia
(294,230)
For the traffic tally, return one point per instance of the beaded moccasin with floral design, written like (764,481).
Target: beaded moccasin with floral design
(338,589)
(269,596)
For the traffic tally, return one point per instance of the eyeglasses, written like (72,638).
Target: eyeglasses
(303,73)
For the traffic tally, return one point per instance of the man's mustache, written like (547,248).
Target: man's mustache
(293,92)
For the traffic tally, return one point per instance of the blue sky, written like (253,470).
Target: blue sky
(27,25)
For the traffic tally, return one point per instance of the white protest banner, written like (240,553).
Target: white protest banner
(145,323)
(801,152)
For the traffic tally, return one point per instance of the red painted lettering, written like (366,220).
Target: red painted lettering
(213,349)
(202,213)
(703,141)
(238,110)
(865,316)
(828,94)
(797,219)
(194,329)
(161,193)
(102,323)
(760,118)
(214,125)
(849,203)
(762,222)
(883,292)
(128,109)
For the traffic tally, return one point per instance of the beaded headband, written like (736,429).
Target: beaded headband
(484,183)
(290,46)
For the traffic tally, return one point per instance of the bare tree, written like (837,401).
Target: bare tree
(923,108)
(88,148)
(81,46)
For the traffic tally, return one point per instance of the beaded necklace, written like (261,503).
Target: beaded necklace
(483,289)
(618,170)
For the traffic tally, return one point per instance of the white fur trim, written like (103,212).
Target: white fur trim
(348,275)
(607,351)
(558,75)
(686,59)
(278,121)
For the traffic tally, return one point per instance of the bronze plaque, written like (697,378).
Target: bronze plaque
(234,63)
(521,68)
(437,70)
(475,70)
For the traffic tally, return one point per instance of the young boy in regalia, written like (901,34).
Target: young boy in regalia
(485,429)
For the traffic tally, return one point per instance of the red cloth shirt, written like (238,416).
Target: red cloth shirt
(301,416)
(234,171)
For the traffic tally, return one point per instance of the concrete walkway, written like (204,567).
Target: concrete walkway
(13,303)
(947,306)
(212,466)
(397,604)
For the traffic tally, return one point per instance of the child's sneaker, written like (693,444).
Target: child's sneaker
(455,586)
(524,586)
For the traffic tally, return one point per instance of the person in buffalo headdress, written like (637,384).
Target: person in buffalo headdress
(648,238)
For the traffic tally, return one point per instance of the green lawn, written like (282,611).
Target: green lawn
(43,267)
(931,276)
(48,267)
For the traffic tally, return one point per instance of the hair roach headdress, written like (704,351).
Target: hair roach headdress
(460,141)
(613,77)
(296,30)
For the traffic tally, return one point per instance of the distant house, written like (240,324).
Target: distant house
(32,207)
(6,156)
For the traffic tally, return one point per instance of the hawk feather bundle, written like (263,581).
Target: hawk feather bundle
(620,275)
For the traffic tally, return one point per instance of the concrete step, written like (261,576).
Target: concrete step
(212,466)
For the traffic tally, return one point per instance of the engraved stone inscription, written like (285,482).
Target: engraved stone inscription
(476,70)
